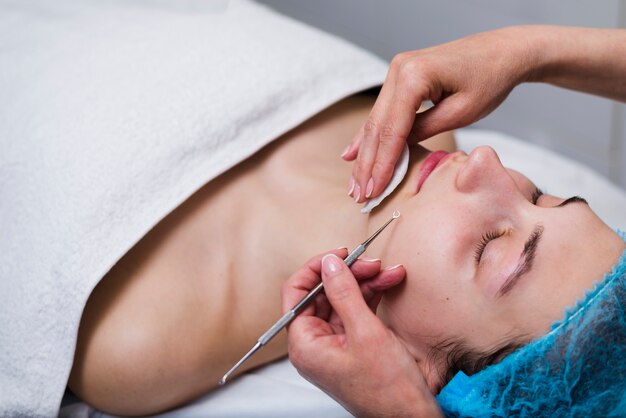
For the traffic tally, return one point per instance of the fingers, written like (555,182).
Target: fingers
(451,113)
(397,123)
(373,289)
(364,145)
(304,280)
(351,151)
(382,101)
(371,285)
(344,295)
(364,271)
(387,129)
(299,284)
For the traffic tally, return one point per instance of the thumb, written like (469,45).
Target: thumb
(451,113)
(344,294)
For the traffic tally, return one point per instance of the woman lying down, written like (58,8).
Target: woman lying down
(491,263)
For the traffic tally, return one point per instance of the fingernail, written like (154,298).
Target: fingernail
(392,267)
(331,265)
(370,188)
(345,151)
(371,260)
(341,248)
(351,187)
(357,192)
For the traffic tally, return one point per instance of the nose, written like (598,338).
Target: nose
(482,168)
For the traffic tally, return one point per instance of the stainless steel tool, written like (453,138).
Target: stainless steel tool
(291,314)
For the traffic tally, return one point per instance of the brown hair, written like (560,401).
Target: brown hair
(453,356)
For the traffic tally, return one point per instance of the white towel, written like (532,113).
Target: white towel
(113,113)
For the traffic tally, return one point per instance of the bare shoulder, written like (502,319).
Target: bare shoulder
(191,297)
(152,334)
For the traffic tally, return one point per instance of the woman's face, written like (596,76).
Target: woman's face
(487,258)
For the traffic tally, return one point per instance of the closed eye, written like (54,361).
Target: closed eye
(482,244)
(535,196)
(573,199)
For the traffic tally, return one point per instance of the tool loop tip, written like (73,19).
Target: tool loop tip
(396,214)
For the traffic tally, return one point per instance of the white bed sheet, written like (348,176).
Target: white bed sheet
(276,390)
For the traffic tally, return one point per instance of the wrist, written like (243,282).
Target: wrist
(530,47)
(547,50)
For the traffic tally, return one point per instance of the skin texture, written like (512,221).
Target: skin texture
(468,78)
(446,295)
(182,306)
(449,296)
(335,342)
(194,294)
(453,290)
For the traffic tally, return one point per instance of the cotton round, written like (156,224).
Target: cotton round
(398,175)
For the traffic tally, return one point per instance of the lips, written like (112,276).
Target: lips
(431,162)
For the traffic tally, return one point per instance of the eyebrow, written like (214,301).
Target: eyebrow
(525,263)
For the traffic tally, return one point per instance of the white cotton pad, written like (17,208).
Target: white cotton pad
(398,175)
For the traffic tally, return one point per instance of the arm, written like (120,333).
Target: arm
(468,78)
(584,59)
(340,345)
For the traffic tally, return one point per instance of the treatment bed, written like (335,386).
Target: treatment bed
(114,113)
(277,391)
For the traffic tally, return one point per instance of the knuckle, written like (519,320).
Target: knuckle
(408,77)
(383,166)
(414,66)
(388,133)
(415,74)
(370,128)
(357,173)
(410,67)
(399,59)
(340,292)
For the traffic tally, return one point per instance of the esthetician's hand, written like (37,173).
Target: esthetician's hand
(340,345)
(468,78)
(465,79)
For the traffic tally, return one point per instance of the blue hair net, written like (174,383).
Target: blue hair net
(578,369)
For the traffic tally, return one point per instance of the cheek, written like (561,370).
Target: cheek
(438,297)
(426,308)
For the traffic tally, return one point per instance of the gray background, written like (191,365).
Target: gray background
(587,128)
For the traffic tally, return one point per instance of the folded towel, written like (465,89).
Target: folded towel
(114,113)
